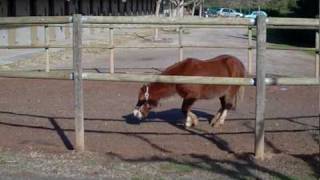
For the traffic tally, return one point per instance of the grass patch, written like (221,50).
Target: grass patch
(146,178)
(5,158)
(2,161)
(175,168)
(289,178)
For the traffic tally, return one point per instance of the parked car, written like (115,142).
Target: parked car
(228,12)
(212,12)
(254,14)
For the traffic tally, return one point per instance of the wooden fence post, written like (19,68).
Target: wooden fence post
(12,36)
(78,90)
(180,44)
(250,50)
(111,50)
(66,32)
(261,86)
(317,55)
(318,51)
(46,41)
(34,35)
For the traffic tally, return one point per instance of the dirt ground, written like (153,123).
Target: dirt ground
(37,127)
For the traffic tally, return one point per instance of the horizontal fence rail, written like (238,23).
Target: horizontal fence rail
(36,46)
(105,46)
(165,21)
(37,75)
(35,20)
(168,79)
(123,21)
(298,22)
(162,78)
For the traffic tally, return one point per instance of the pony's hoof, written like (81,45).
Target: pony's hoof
(195,122)
(216,124)
(213,122)
(188,124)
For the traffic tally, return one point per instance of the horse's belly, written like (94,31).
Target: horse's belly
(201,91)
(209,92)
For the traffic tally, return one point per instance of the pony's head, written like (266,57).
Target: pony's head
(145,103)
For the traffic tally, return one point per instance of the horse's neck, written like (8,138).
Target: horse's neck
(159,91)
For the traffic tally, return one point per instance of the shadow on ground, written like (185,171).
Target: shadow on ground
(239,166)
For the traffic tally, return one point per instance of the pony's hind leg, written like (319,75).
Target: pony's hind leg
(227,103)
(191,119)
(216,120)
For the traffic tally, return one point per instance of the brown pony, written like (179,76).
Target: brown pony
(221,66)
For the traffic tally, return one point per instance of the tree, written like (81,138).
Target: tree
(180,4)
(195,4)
(307,8)
(156,30)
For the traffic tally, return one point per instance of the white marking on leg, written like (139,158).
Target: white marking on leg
(194,119)
(223,116)
(188,121)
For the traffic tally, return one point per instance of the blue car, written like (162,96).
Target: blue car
(254,14)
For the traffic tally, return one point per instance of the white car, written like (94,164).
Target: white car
(227,12)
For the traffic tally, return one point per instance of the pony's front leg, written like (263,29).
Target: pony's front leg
(191,119)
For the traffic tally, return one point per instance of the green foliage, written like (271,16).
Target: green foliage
(307,8)
(282,7)
(278,8)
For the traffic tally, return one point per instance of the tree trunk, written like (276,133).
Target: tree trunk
(158,7)
(194,8)
(156,30)
(200,8)
(181,8)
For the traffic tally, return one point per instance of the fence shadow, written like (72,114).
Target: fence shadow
(242,166)
(173,117)
(313,161)
(61,134)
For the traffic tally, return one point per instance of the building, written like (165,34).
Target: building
(69,7)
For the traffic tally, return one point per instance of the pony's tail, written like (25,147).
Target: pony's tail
(239,97)
(240,94)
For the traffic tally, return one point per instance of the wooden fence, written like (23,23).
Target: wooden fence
(79,22)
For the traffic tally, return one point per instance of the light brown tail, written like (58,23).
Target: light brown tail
(239,97)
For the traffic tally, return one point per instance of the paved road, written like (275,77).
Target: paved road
(287,63)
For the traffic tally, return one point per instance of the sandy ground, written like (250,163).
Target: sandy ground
(36,122)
